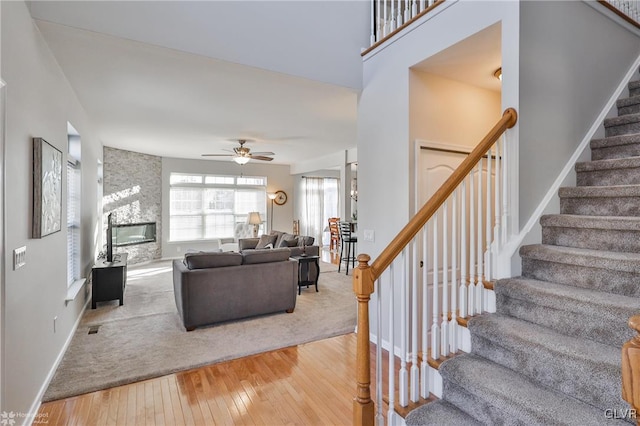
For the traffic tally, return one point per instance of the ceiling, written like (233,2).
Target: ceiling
(179,79)
(472,60)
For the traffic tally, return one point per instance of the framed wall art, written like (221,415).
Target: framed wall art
(47,189)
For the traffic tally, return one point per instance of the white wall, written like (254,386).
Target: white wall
(572,59)
(448,111)
(39,104)
(278,178)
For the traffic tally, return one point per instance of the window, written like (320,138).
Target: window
(73,207)
(206,206)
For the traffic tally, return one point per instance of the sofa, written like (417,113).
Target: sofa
(212,287)
(298,244)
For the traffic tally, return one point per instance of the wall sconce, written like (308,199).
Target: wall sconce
(498,73)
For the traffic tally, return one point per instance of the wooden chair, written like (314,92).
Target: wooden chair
(350,241)
(335,233)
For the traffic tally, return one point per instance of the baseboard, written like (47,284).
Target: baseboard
(28,420)
(511,248)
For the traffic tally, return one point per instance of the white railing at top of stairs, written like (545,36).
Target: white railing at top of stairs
(455,239)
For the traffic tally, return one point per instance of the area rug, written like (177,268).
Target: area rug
(145,337)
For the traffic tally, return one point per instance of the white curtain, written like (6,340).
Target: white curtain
(321,201)
(313,214)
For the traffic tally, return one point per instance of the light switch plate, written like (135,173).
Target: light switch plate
(369,235)
(19,257)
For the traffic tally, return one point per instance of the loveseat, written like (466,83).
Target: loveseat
(215,287)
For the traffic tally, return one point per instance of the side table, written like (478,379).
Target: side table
(304,270)
(109,280)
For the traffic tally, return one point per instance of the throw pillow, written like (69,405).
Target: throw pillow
(266,239)
(291,243)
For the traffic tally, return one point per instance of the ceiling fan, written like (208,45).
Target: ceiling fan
(242,154)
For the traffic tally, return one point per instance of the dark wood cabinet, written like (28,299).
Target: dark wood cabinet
(109,280)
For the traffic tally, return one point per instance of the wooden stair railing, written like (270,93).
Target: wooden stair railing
(365,275)
(631,370)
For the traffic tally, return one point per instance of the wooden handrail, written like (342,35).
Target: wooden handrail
(631,369)
(620,13)
(508,120)
(364,276)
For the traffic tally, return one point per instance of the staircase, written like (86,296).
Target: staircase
(551,354)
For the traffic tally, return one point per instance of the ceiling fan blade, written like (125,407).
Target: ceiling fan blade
(218,155)
(262,153)
(260,157)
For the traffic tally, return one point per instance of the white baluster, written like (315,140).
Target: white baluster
(422,5)
(407,11)
(415,372)
(372,38)
(385,28)
(393,26)
(463,250)
(392,345)
(399,15)
(505,189)
(435,326)
(488,221)
(379,415)
(496,207)
(472,245)
(444,329)
(424,367)
(479,285)
(404,321)
(380,26)
(414,8)
(453,326)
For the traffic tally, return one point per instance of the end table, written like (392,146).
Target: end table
(304,271)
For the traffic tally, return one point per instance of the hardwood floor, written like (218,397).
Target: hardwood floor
(308,384)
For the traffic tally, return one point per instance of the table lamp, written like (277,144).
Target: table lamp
(254,219)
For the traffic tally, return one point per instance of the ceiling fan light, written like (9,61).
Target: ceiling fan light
(241,159)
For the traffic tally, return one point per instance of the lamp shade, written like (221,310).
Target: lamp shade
(272,195)
(254,218)
(240,159)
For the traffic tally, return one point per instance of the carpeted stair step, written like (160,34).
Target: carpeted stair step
(629,105)
(589,314)
(619,171)
(623,125)
(634,88)
(620,200)
(586,370)
(440,413)
(616,147)
(610,233)
(496,395)
(606,271)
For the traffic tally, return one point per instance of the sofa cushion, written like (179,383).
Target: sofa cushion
(305,241)
(250,257)
(204,259)
(288,240)
(266,240)
(279,235)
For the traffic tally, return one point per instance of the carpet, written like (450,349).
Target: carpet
(145,337)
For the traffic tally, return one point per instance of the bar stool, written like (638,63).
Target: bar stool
(350,242)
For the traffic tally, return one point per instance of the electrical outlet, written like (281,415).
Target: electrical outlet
(369,235)
(19,257)
(54,323)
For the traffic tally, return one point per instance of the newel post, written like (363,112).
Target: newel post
(363,409)
(631,369)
